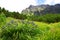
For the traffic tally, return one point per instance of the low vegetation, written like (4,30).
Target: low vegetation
(15,29)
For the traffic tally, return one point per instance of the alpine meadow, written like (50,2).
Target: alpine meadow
(40,22)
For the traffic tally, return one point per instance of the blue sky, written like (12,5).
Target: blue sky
(19,5)
(50,2)
(40,2)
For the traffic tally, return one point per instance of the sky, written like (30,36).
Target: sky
(19,5)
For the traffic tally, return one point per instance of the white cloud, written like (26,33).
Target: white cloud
(51,2)
(19,5)
(48,1)
(56,1)
(16,5)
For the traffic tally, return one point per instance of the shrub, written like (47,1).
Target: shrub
(2,19)
(25,31)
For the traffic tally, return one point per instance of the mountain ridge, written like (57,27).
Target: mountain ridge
(42,9)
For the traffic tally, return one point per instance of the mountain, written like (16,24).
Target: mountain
(42,9)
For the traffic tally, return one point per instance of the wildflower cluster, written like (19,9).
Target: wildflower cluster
(26,30)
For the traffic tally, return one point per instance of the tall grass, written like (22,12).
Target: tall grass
(25,31)
(28,30)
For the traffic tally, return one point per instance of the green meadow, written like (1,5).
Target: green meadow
(18,29)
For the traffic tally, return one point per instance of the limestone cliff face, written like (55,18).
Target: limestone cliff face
(42,9)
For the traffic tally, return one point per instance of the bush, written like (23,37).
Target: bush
(48,18)
(24,31)
(2,19)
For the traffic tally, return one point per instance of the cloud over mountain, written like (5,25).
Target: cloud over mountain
(19,5)
(51,2)
(16,5)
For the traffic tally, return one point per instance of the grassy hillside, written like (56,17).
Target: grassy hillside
(16,29)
